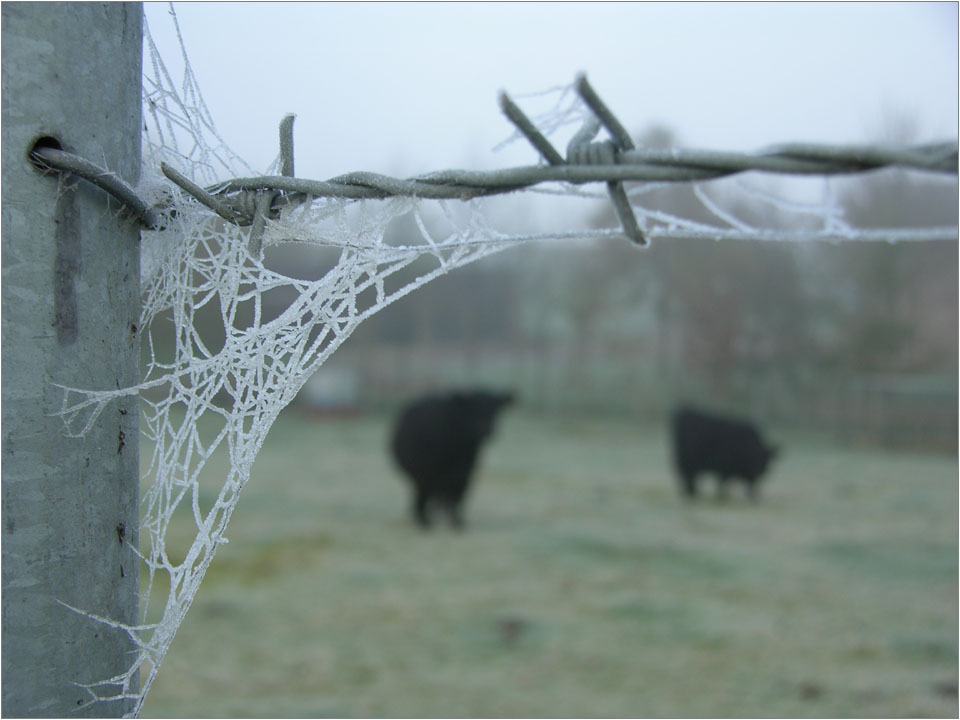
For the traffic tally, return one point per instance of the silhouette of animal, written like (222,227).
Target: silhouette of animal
(436,441)
(728,448)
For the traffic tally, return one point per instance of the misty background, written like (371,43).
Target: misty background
(854,340)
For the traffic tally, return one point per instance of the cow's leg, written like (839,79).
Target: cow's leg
(688,484)
(421,507)
(455,511)
(752,489)
(454,500)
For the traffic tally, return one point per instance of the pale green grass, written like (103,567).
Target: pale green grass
(583,586)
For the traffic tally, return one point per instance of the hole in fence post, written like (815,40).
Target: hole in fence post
(45,141)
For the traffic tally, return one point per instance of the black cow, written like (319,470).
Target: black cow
(727,447)
(436,441)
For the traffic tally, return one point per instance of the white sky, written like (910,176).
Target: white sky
(406,88)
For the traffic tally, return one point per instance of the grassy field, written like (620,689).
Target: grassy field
(583,586)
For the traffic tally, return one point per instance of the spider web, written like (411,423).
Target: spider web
(221,362)
(206,390)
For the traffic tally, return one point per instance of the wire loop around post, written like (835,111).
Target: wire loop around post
(110,182)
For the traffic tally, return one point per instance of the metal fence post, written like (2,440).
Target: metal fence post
(71,75)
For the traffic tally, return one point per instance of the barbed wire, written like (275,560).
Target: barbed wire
(249,201)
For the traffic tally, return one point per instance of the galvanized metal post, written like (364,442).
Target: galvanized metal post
(71,77)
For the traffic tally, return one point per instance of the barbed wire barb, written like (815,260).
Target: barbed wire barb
(529,130)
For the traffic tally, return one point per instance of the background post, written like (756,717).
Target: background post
(70,293)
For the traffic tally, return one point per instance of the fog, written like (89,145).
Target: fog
(406,88)
(860,341)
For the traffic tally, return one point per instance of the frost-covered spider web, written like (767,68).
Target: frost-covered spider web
(204,391)
(221,362)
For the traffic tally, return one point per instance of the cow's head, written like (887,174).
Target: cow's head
(767,455)
(481,408)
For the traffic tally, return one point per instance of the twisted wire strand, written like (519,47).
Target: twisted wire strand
(250,200)
(636,165)
(630,165)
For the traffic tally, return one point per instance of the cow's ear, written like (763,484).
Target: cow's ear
(773,451)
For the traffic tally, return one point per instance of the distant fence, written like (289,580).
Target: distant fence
(898,411)
(902,412)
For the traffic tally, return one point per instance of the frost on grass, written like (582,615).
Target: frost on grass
(221,360)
